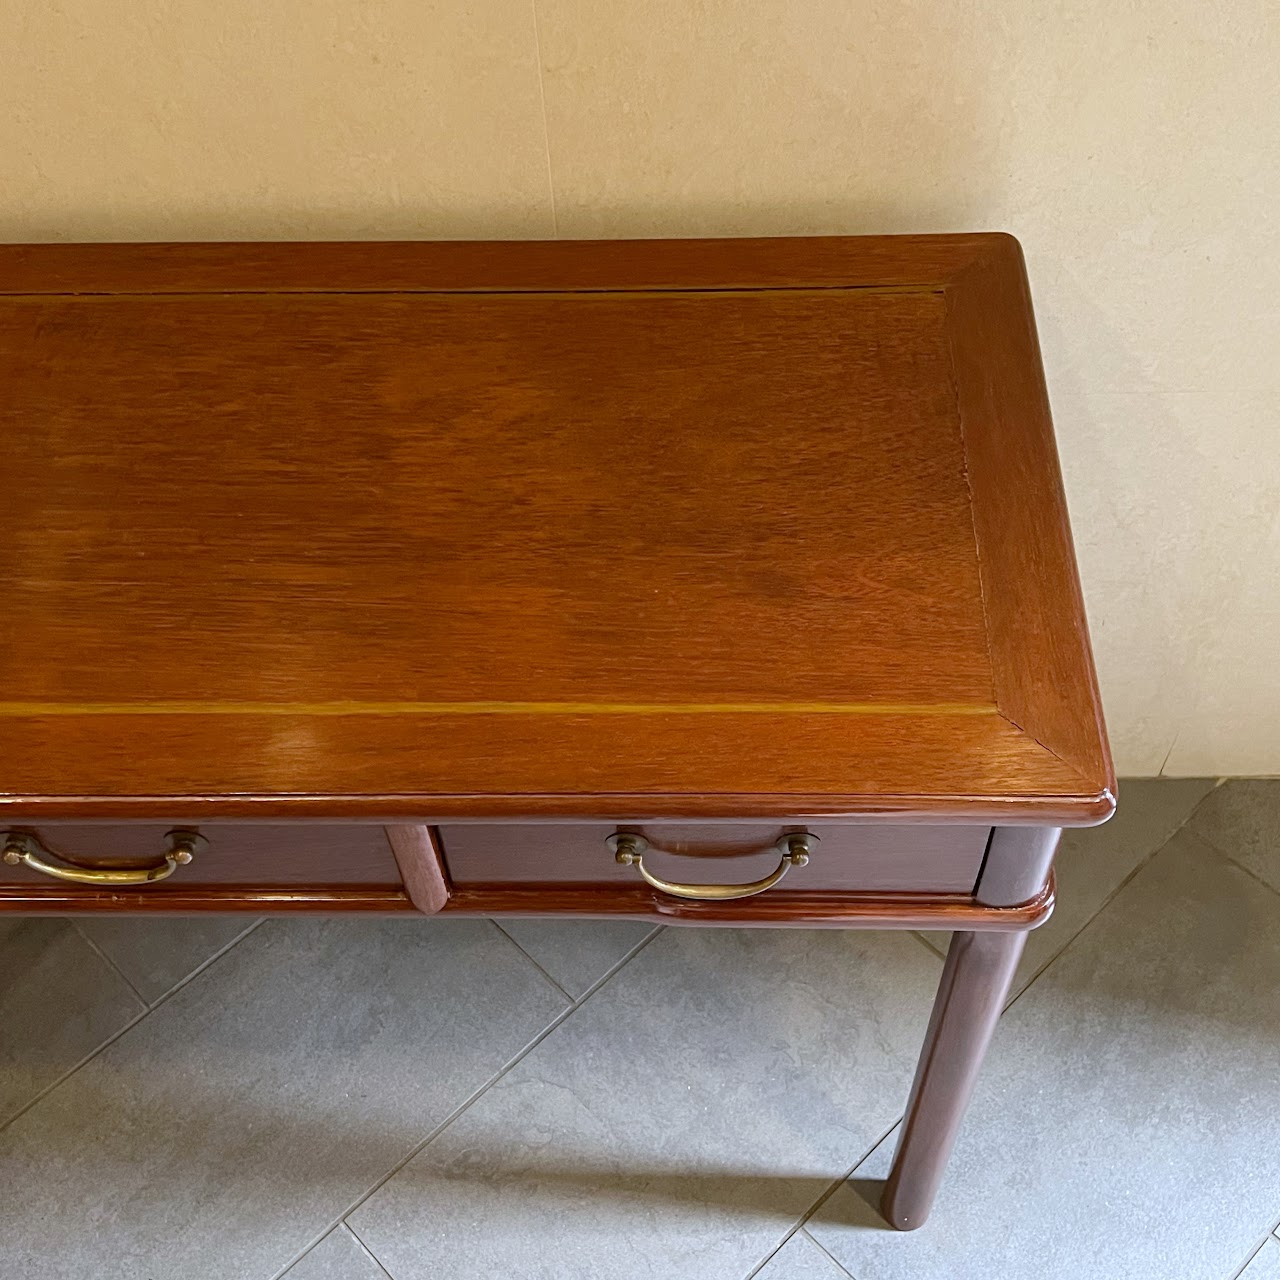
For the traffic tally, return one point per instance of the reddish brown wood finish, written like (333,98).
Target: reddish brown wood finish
(379,757)
(975,980)
(1017,864)
(417,853)
(779,907)
(674,530)
(940,859)
(492,266)
(53,899)
(1044,680)
(500,544)
(277,854)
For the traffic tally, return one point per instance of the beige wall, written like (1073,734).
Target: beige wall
(1133,146)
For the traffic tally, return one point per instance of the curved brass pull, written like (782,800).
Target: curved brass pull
(628,849)
(22,848)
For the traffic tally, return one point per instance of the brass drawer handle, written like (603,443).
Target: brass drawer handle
(22,848)
(628,849)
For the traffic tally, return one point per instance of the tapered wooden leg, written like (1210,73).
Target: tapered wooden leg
(975,981)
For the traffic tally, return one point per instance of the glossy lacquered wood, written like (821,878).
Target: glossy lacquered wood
(846,857)
(971,993)
(56,899)
(975,981)
(1017,864)
(417,852)
(244,867)
(667,530)
(1042,667)
(277,854)
(825,908)
(491,266)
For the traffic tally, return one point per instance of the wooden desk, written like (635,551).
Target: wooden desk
(611,579)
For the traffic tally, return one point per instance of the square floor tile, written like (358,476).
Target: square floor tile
(156,954)
(576,953)
(1242,819)
(259,1101)
(679,1122)
(1125,1125)
(59,1000)
(339,1256)
(1093,862)
(801,1259)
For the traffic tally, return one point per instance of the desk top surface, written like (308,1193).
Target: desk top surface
(709,528)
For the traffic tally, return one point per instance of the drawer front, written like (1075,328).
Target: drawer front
(248,854)
(845,856)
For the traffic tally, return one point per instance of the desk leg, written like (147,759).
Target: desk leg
(975,981)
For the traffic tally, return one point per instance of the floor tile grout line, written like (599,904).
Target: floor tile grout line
(826,1253)
(1215,846)
(373,1257)
(808,1215)
(421,1146)
(1074,938)
(546,123)
(1253,1253)
(217,955)
(830,1191)
(147,1010)
(475,1096)
(1110,898)
(558,1021)
(497,924)
(928,946)
(1240,866)
(109,962)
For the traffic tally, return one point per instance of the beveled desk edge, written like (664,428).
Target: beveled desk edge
(1086,809)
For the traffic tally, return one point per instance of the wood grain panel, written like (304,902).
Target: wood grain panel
(1044,677)
(551,499)
(682,529)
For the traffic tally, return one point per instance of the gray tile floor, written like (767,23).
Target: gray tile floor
(357,1100)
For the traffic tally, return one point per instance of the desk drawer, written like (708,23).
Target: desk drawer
(249,854)
(844,856)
